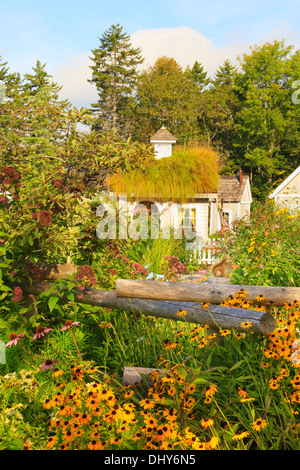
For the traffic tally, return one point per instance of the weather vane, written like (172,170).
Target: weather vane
(164,115)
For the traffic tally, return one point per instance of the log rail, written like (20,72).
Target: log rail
(204,292)
(216,316)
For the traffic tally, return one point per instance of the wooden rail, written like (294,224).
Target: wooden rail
(203,292)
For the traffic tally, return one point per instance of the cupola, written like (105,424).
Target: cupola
(162,141)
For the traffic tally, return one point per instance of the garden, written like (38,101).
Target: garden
(61,374)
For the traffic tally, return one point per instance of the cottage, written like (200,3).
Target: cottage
(211,202)
(287,194)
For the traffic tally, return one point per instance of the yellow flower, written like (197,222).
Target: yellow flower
(246,324)
(181,313)
(259,424)
(51,442)
(240,435)
(213,443)
(210,391)
(206,422)
(225,332)
(147,404)
(296,381)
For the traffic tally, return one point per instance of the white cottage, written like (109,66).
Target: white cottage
(205,213)
(287,194)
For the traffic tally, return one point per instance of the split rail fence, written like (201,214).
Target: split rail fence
(166,299)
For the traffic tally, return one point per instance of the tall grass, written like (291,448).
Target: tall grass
(160,249)
(189,170)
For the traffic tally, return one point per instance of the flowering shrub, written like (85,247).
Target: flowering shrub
(175,267)
(266,248)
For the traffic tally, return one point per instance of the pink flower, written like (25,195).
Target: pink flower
(48,364)
(69,324)
(41,331)
(13,339)
(18,294)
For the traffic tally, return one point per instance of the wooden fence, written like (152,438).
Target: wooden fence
(166,299)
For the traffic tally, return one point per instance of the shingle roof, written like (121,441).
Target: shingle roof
(230,188)
(163,134)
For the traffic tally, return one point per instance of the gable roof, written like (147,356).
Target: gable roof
(231,190)
(285,182)
(163,135)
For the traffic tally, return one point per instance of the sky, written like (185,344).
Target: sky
(62,33)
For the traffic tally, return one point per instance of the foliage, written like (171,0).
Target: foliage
(61,384)
(166,88)
(271,255)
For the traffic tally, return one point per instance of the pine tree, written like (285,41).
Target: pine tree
(225,74)
(114,72)
(199,76)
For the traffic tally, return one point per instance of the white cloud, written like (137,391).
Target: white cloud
(185,45)
(73,78)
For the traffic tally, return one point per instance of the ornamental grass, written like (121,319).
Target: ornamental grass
(190,170)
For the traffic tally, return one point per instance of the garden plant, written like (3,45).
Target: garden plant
(61,383)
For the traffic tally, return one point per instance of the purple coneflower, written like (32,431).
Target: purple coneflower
(13,339)
(41,331)
(48,364)
(68,324)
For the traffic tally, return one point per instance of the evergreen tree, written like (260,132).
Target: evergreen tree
(199,75)
(35,82)
(217,109)
(115,75)
(225,74)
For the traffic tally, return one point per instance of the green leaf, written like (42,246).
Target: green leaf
(52,302)
(236,366)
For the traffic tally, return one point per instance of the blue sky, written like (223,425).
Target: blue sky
(62,33)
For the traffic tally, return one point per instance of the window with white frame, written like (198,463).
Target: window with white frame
(186,220)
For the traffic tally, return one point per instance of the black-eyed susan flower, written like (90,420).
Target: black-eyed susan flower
(48,404)
(213,443)
(259,424)
(240,435)
(224,332)
(242,393)
(170,414)
(210,390)
(96,445)
(52,440)
(274,383)
(181,313)
(296,381)
(246,324)
(57,372)
(206,422)
(147,404)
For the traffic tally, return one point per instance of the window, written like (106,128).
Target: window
(186,220)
